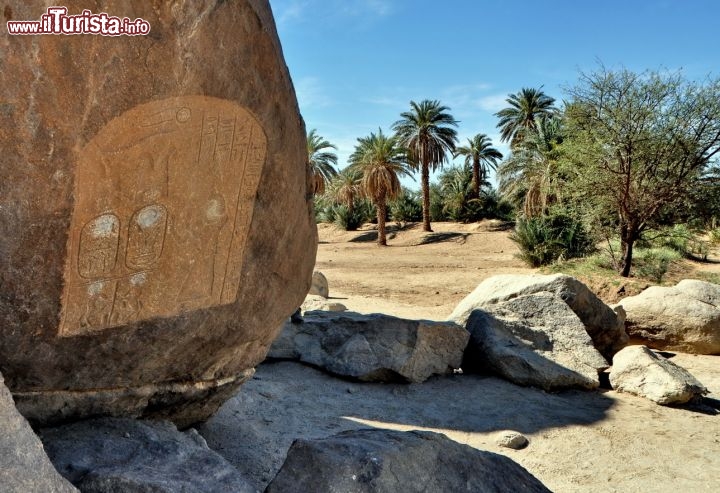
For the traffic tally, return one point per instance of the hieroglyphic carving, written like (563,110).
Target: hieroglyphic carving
(164,196)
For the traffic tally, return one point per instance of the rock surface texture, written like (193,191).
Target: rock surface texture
(604,325)
(319,285)
(314,302)
(385,461)
(638,370)
(156,227)
(373,348)
(533,339)
(24,466)
(684,317)
(125,455)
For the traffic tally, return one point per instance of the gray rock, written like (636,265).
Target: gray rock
(638,370)
(382,461)
(685,317)
(319,285)
(512,440)
(315,302)
(24,466)
(603,325)
(534,339)
(119,455)
(373,347)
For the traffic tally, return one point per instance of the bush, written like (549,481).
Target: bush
(407,208)
(679,238)
(363,211)
(653,263)
(547,239)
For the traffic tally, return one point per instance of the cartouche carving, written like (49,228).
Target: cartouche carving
(164,196)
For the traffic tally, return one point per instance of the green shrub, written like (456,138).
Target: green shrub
(679,238)
(407,208)
(547,239)
(653,263)
(714,236)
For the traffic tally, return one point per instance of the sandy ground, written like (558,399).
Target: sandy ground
(579,441)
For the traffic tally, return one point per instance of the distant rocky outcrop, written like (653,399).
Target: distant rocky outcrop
(385,461)
(125,455)
(163,229)
(640,371)
(373,348)
(319,285)
(604,325)
(24,466)
(533,339)
(684,317)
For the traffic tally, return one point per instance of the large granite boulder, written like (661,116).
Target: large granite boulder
(388,461)
(534,339)
(638,370)
(125,455)
(24,466)
(603,324)
(154,208)
(373,348)
(685,317)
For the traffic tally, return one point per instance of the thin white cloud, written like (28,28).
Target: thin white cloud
(299,11)
(311,93)
(493,102)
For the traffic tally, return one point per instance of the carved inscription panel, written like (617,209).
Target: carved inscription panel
(164,196)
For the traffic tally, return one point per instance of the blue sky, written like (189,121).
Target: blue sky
(357,64)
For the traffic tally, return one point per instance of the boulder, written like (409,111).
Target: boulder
(119,454)
(319,285)
(387,461)
(314,302)
(512,440)
(604,325)
(534,339)
(685,317)
(24,466)
(373,348)
(154,208)
(638,370)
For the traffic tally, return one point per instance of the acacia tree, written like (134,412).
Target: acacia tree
(380,159)
(637,142)
(427,134)
(482,156)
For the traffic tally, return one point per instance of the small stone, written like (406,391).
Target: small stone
(513,440)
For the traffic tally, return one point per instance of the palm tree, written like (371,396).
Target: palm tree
(530,172)
(380,159)
(320,161)
(521,116)
(483,156)
(427,134)
(345,188)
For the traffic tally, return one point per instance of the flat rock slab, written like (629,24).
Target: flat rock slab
(319,285)
(604,325)
(684,317)
(24,466)
(638,370)
(384,461)
(373,348)
(141,203)
(121,455)
(533,339)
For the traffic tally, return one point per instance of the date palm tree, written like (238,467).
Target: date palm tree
(426,133)
(381,160)
(526,107)
(483,156)
(345,188)
(321,162)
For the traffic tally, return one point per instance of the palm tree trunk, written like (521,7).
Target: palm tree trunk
(381,207)
(426,196)
(476,177)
